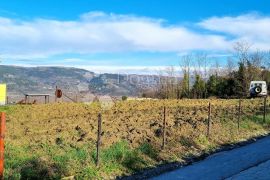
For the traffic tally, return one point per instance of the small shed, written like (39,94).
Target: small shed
(46,97)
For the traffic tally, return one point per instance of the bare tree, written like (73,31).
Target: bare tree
(201,69)
(205,61)
(185,64)
(201,64)
(266,61)
(257,58)
(230,66)
(161,91)
(170,82)
(242,51)
(247,59)
(167,85)
(217,67)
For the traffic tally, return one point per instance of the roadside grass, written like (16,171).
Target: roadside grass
(149,150)
(54,162)
(254,122)
(259,119)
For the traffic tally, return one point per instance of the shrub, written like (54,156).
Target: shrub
(124,98)
(149,150)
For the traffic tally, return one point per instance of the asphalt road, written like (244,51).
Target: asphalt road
(248,162)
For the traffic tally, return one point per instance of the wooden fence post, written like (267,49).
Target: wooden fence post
(264,109)
(164,127)
(2,149)
(98,138)
(209,120)
(55,94)
(239,115)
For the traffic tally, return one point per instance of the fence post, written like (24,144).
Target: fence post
(2,136)
(55,95)
(239,115)
(209,120)
(98,139)
(164,127)
(264,109)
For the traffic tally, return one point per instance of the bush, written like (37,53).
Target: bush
(124,98)
(149,150)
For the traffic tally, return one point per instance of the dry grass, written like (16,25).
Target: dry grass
(62,128)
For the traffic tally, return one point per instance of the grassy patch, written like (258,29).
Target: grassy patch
(260,119)
(255,122)
(49,162)
(120,155)
(15,158)
(21,163)
(149,150)
(52,162)
(185,141)
(7,109)
(202,140)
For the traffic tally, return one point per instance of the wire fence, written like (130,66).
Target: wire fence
(160,124)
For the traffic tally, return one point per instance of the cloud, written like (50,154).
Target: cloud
(98,32)
(251,28)
(127,69)
(219,55)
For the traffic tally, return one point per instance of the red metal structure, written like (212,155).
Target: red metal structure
(2,136)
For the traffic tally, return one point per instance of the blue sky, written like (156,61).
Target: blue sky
(131,35)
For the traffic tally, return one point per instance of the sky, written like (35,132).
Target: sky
(128,36)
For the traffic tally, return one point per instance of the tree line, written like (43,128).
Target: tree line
(200,80)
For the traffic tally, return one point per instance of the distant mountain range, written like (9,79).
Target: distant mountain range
(22,80)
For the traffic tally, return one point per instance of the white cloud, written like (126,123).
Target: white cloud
(219,55)
(100,32)
(127,69)
(252,28)
(96,32)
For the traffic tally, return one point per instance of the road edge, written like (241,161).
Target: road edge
(160,169)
